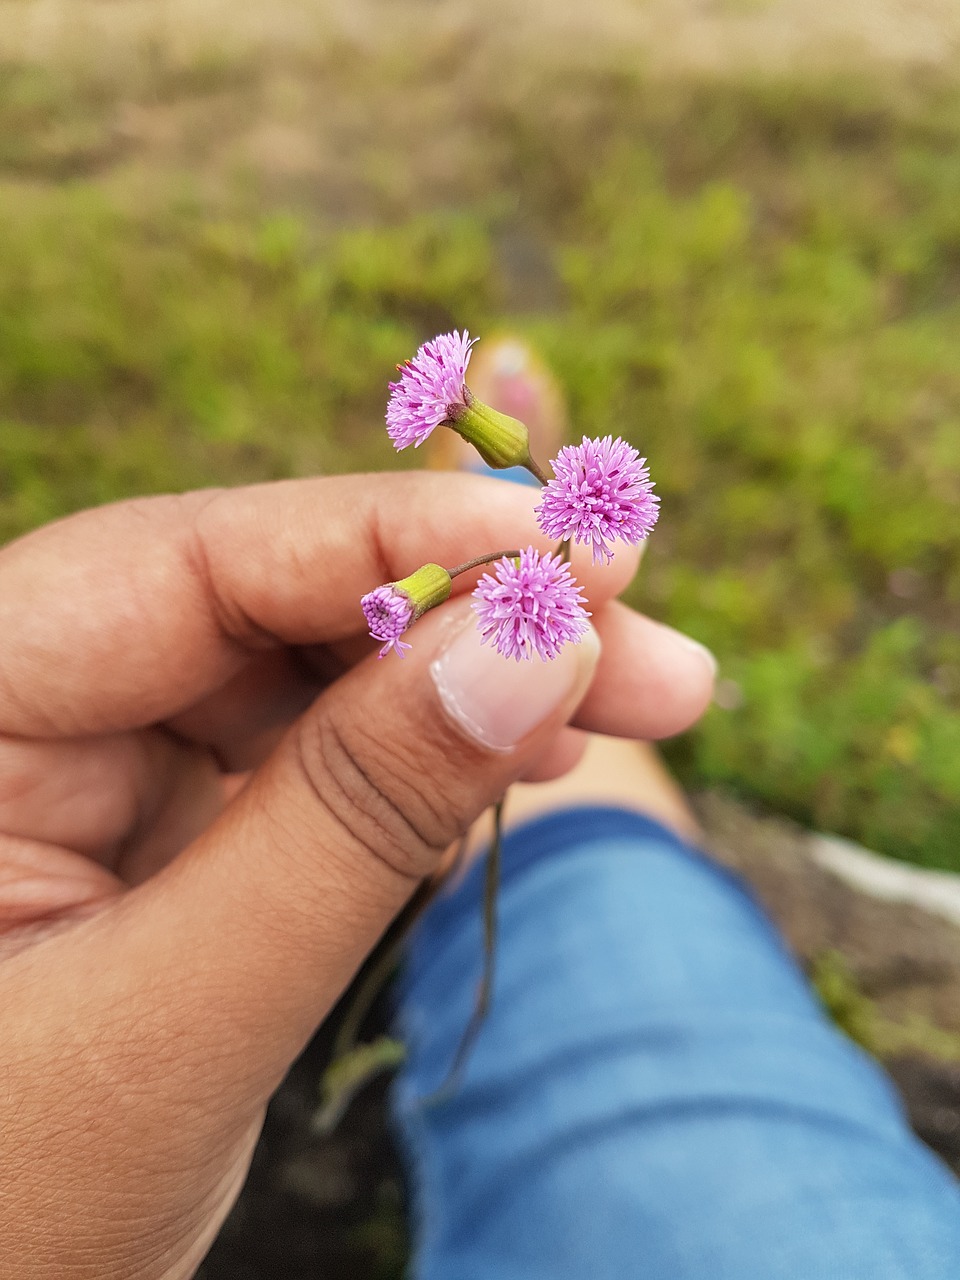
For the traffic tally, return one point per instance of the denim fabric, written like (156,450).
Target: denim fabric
(515,475)
(655,1092)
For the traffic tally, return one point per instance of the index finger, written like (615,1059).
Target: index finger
(128,614)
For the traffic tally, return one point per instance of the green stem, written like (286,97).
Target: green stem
(491,887)
(479,560)
(372,984)
(352,1065)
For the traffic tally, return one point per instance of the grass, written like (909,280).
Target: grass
(862,1020)
(757,283)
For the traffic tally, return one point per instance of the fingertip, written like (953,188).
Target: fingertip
(564,753)
(606,581)
(497,702)
(653,681)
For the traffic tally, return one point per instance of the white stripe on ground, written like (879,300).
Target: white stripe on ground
(937,892)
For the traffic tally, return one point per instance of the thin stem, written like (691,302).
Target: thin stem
(346,1077)
(536,470)
(379,971)
(479,560)
(352,1064)
(563,551)
(491,887)
(373,984)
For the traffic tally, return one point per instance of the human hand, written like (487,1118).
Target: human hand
(213,800)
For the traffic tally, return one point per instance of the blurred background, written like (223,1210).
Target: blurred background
(733,229)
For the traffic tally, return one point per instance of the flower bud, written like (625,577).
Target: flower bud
(500,440)
(426,588)
(392,609)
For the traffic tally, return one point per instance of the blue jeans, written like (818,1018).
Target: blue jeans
(655,1092)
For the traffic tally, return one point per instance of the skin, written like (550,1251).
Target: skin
(213,800)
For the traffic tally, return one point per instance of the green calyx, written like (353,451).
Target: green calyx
(426,588)
(500,440)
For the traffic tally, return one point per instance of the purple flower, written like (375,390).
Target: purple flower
(388,613)
(392,609)
(531,606)
(429,385)
(602,491)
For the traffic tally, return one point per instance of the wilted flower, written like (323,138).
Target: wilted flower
(532,605)
(602,491)
(392,609)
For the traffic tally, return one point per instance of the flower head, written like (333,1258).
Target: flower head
(392,609)
(532,605)
(601,491)
(430,386)
(388,613)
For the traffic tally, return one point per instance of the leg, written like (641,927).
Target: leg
(655,1091)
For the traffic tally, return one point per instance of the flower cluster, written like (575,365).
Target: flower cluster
(600,493)
(531,605)
(430,390)
(388,613)
(392,609)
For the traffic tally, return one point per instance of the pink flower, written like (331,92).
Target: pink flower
(602,491)
(388,613)
(392,609)
(532,605)
(430,386)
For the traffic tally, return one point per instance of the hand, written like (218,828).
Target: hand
(214,798)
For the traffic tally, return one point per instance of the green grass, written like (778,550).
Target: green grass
(757,284)
(863,1021)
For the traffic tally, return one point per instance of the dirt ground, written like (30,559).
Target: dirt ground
(291,91)
(697,35)
(890,973)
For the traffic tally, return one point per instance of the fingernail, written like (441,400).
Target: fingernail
(497,701)
(693,646)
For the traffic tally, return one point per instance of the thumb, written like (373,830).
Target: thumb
(267,917)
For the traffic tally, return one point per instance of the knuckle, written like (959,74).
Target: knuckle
(375,793)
